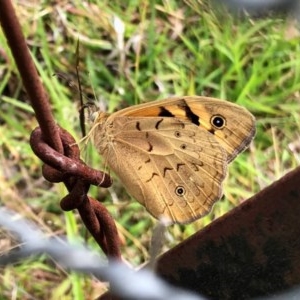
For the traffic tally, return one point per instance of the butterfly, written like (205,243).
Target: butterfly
(172,155)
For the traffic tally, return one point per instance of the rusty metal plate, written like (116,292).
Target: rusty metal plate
(252,251)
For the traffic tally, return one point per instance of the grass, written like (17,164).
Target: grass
(150,52)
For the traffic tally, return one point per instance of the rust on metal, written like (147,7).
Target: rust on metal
(254,250)
(57,148)
(69,163)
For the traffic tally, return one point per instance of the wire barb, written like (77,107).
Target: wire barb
(57,148)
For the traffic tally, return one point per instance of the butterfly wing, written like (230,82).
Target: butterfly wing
(232,125)
(171,166)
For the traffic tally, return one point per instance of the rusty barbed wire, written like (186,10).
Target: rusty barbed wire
(77,177)
(57,148)
(60,166)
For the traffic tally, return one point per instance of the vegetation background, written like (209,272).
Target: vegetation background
(130,53)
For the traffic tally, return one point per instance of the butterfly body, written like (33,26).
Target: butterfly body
(172,155)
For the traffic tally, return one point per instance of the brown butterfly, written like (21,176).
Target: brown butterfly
(172,155)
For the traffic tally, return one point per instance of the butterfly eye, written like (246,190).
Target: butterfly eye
(218,121)
(177,134)
(180,191)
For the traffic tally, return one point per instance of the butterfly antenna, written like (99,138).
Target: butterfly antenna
(82,105)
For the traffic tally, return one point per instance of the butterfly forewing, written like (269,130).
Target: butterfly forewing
(239,124)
